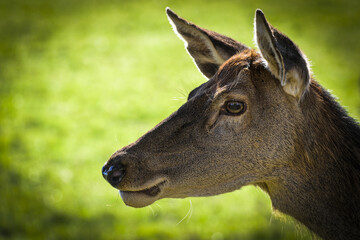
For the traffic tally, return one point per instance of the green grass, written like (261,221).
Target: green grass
(80,79)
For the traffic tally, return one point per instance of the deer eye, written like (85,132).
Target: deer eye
(235,107)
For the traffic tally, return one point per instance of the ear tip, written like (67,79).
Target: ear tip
(170,12)
(260,18)
(259,11)
(259,14)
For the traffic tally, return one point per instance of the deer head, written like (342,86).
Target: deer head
(238,128)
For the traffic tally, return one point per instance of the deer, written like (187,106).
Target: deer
(260,119)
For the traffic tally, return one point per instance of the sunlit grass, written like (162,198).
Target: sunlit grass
(80,80)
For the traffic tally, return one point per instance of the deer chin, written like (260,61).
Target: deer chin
(144,197)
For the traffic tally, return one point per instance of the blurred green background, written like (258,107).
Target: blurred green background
(80,79)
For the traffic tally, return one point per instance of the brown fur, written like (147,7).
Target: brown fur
(293,140)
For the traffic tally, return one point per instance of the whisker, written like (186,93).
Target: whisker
(188,215)
(178,98)
(191,208)
(183,92)
(158,205)
(152,210)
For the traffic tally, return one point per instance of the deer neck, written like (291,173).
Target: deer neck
(321,188)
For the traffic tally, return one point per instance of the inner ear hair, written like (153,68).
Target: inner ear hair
(285,60)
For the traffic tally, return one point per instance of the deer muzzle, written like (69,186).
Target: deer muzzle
(123,178)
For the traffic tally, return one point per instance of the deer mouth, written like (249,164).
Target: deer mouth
(144,197)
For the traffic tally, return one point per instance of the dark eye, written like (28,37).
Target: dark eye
(235,107)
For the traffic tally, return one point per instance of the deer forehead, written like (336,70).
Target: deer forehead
(229,71)
(241,74)
(242,77)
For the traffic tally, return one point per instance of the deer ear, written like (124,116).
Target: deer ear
(284,58)
(208,49)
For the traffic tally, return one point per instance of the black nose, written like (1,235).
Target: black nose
(113,173)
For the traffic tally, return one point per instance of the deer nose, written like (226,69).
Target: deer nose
(113,173)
